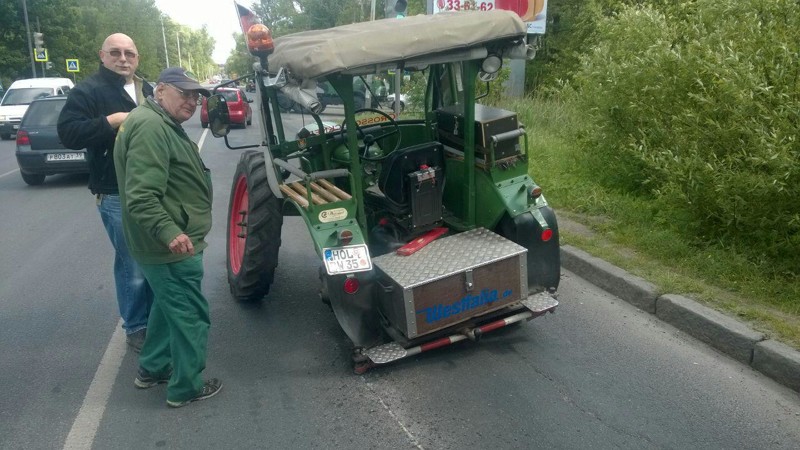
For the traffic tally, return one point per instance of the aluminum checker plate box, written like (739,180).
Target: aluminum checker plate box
(431,288)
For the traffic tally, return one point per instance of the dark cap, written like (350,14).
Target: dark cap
(182,79)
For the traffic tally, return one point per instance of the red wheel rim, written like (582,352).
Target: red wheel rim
(237,228)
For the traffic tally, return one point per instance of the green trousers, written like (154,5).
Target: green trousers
(177,330)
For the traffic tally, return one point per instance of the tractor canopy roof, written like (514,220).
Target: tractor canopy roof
(411,42)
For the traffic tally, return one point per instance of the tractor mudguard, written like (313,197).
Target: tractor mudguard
(544,257)
(356,313)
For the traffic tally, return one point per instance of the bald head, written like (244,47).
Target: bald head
(119,54)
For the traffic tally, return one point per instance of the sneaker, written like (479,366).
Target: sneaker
(210,389)
(136,339)
(147,380)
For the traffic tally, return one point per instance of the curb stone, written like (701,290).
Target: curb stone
(728,335)
(779,362)
(634,290)
(712,327)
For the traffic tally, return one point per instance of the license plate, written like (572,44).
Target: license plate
(348,259)
(15,127)
(65,157)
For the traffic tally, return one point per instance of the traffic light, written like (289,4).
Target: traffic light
(400,8)
(38,40)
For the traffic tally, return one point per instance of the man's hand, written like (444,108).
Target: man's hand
(182,244)
(116,119)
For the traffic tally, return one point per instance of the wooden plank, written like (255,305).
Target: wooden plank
(333,189)
(287,191)
(297,186)
(323,193)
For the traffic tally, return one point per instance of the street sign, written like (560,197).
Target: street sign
(40,55)
(73,65)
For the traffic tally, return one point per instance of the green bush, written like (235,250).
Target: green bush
(697,104)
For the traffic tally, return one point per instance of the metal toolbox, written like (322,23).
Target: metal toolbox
(488,122)
(451,280)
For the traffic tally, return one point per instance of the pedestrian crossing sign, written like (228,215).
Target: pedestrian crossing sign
(40,55)
(73,65)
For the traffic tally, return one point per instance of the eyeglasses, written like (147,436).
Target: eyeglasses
(117,53)
(186,95)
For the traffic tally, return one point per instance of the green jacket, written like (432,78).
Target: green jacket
(164,187)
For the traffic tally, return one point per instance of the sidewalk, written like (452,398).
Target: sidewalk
(730,336)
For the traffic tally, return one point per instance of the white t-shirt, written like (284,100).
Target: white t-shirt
(131,89)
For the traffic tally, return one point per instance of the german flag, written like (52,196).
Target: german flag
(247,18)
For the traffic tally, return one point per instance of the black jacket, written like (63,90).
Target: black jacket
(83,124)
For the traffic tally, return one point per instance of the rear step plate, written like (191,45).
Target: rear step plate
(540,302)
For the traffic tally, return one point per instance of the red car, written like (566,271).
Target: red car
(238,107)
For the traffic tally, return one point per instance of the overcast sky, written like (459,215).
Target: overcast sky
(219,16)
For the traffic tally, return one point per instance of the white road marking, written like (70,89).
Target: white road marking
(84,428)
(9,173)
(202,139)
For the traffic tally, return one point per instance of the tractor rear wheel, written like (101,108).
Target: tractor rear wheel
(254,230)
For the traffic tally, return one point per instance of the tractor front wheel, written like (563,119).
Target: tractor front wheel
(254,230)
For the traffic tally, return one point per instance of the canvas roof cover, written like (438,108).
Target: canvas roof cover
(316,53)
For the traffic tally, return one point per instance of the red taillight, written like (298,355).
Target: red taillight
(534,192)
(547,234)
(22,138)
(345,236)
(351,285)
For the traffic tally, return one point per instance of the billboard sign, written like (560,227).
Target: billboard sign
(532,12)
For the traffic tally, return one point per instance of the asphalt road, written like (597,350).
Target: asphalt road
(597,374)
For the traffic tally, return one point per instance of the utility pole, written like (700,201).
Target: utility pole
(28,32)
(164,37)
(178,38)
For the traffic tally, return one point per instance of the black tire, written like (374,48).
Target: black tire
(250,120)
(254,232)
(5,136)
(204,124)
(32,179)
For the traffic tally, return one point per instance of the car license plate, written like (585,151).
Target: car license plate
(15,127)
(65,157)
(348,259)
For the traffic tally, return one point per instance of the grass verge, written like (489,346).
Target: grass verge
(637,235)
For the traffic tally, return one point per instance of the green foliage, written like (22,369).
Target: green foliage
(696,104)
(77,28)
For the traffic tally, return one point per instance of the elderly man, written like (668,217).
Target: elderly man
(166,209)
(94,111)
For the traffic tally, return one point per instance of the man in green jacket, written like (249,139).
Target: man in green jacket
(165,191)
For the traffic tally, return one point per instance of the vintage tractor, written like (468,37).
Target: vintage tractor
(429,229)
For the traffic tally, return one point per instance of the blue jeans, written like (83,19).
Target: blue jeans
(134,295)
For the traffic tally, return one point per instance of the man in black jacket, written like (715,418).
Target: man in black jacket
(90,119)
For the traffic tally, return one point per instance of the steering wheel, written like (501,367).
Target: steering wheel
(368,139)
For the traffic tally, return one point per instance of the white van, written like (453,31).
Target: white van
(20,94)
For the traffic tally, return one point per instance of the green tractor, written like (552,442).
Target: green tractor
(428,228)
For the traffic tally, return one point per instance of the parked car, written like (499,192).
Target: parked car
(39,149)
(238,105)
(20,94)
